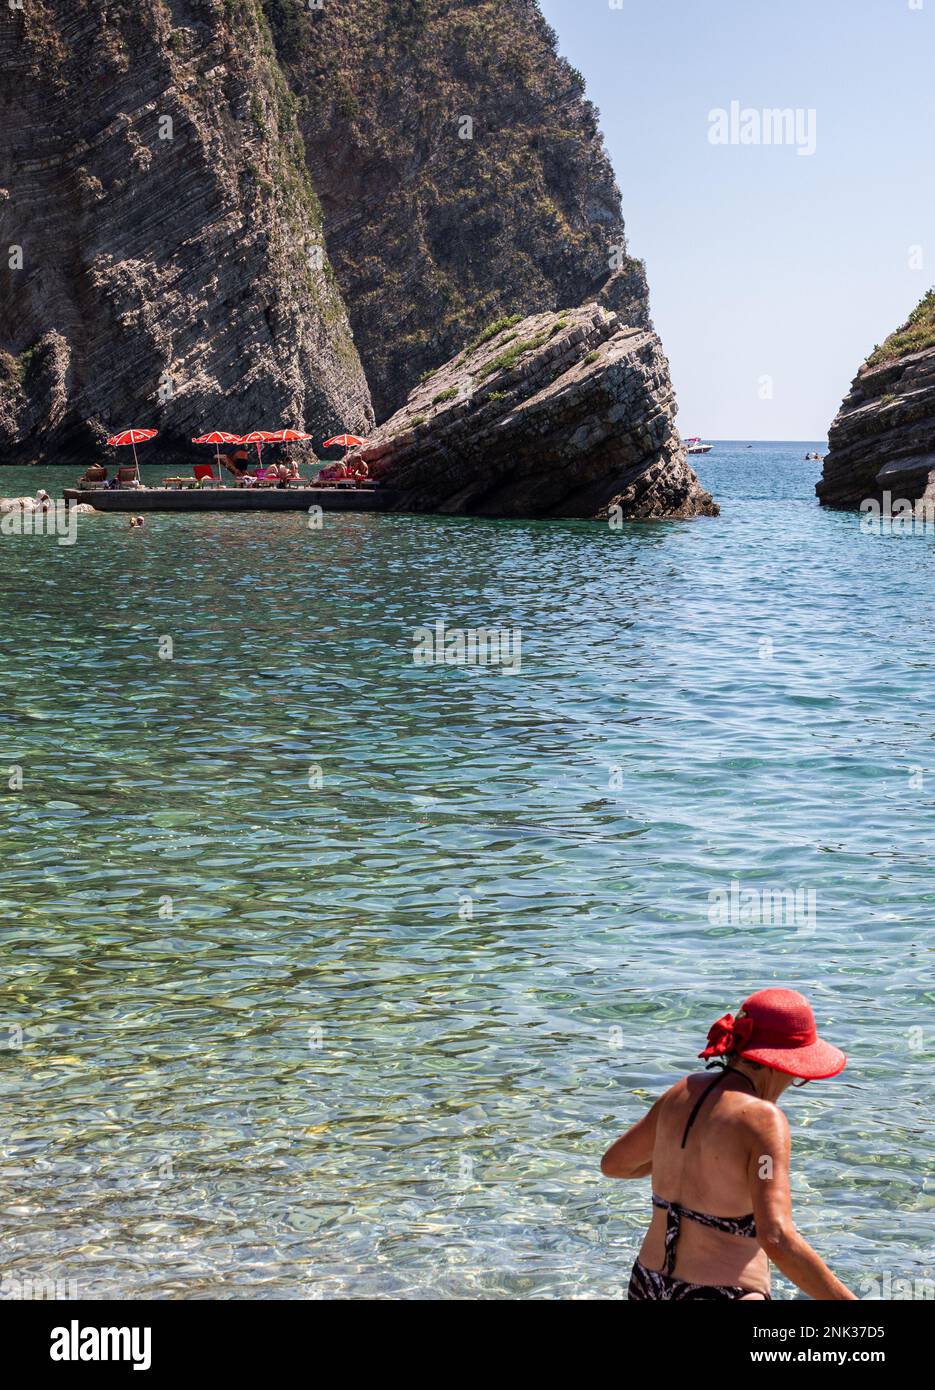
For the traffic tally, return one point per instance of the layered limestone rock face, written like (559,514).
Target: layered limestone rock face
(461,172)
(558,415)
(883,439)
(161,257)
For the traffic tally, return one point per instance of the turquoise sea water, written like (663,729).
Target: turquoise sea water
(324,973)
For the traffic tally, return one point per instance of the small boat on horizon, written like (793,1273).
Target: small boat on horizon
(695,446)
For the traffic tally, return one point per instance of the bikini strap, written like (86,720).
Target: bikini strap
(727,1071)
(673,1229)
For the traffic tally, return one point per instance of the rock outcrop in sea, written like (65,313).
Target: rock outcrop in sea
(567,414)
(883,439)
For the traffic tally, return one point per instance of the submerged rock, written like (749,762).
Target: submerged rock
(883,439)
(565,414)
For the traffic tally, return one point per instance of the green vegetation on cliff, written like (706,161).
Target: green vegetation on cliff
(917,333)
(511,355)
(16,369)
(498,326)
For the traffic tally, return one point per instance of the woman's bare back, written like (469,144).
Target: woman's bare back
(711,1175)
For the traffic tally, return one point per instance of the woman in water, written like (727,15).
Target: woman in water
(718,1156)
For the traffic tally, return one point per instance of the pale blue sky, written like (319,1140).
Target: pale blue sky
(763,262)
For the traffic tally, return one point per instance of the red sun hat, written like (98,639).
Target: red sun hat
(776,1027)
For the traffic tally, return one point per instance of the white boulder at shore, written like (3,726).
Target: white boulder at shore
(31,504)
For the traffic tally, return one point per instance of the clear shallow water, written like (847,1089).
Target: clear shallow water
(320,1075)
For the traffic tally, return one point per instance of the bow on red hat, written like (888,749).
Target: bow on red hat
(729,1034)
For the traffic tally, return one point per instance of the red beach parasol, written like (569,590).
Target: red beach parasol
(259,438)
(288,437)
(217,438)
(346,441)
(133,437)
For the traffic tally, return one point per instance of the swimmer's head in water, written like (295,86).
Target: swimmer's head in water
(776,1028)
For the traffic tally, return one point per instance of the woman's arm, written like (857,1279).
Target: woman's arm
(632,1155)
(772,1208)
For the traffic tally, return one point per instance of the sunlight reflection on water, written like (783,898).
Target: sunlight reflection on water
(359,1038)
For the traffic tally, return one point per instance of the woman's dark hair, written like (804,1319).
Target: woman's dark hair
(732,1058)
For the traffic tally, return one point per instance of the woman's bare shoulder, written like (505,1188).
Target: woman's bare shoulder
(678,1090)
(681,1093)
(765,1119)
(762,1116)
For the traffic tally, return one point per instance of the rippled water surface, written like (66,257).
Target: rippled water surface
(327,974)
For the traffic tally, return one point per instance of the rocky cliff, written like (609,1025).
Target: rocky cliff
(162,258)
(567,414)
(461,172)
(883,438)
(198,198)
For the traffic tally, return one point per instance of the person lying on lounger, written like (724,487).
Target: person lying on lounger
(236,462)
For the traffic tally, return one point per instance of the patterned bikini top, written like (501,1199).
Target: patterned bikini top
(730,1225)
